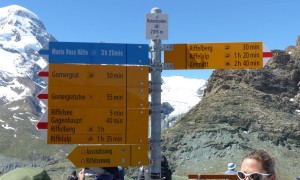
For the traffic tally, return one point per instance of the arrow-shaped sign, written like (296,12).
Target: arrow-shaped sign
(44,73)
(267,54)
(95,53)
(42,125)
(109,156)
(236,55)
(43,96)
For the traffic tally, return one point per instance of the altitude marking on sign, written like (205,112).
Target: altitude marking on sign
(95,53)
(218,55)
(42,125)
(156,26)
(109,156)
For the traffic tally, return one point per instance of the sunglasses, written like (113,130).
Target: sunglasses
(252,176)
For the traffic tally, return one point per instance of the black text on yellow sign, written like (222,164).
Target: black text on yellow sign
(98,75)
(97,126)
(103,97)
(98,104)
(235,55)
(109,156)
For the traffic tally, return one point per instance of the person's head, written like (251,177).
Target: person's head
(231,166)
(257,165)
(73,173)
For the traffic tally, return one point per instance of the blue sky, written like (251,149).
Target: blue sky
(273,22)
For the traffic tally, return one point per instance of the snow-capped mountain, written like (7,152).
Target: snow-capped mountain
(22,34)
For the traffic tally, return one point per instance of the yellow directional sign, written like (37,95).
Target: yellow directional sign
(85,116)
(109,156)
(97,104)
(103,97)
(98,75)
(99,121)
(67,125)
(87,138)
(216,55)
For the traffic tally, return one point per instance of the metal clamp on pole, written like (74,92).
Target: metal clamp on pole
(158,67)
(168,66)
(167,47)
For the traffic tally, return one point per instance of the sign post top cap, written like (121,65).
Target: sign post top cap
(155,10)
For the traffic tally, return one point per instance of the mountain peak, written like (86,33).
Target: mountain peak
(16,10)
(17,22)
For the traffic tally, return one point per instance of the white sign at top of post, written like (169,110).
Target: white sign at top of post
(156,26)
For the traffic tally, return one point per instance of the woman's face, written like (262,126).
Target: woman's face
(251,166)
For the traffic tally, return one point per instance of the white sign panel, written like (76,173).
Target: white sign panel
(156,26)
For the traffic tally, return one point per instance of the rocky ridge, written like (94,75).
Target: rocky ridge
(242,110)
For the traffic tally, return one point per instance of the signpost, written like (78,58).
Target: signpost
(235,55)
(156,68)
(98,92)
(109,156)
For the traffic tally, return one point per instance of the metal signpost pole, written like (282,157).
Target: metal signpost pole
(155,148)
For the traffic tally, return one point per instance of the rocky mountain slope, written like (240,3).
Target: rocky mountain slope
(242,110)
